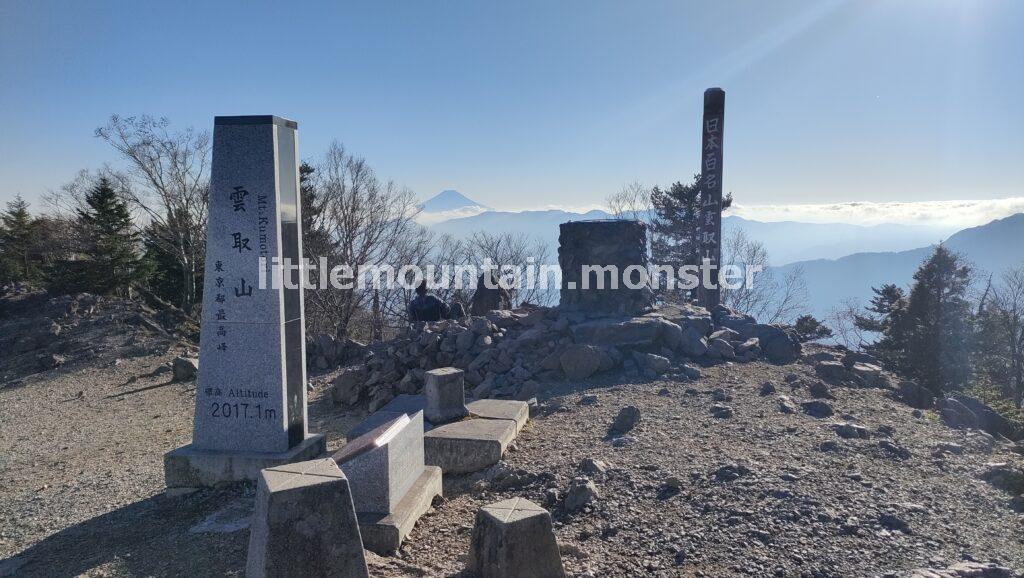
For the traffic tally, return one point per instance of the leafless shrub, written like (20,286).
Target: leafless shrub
(767,298)
(167,183)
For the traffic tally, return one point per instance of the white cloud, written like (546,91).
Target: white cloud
(936,213)
(432,218)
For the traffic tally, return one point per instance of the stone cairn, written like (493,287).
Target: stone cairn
(618,243)
(510,354)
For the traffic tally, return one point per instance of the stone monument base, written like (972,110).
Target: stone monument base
(384,534)
(188,468)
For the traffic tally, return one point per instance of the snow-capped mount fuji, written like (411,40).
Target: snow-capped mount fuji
(451,200)
(446,205)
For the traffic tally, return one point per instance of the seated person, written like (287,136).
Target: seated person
(425,307)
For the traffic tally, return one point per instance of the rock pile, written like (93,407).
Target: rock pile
(40,332)
(510,354)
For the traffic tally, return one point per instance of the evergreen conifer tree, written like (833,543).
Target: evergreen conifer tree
(939,322)
(111,242)
(18,232)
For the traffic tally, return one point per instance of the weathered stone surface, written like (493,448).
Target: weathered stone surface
(869,375)
(468,446)
(384,534)
(626,420)
(848,430)
(512,539)
(517,411)
(833,371)
(581,492)
(720,349)
(817,408)
(251,388)
(786,404)
(616,243)
(915,395)
(852,357)
(652,364)
(382,464)
(963,412)
(694,344)
(581,361)
(348,386)
(446,394)
(185,368)
(189,467)
(304,524)
(778,344)
(632,332)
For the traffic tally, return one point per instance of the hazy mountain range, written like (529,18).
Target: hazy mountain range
(840,261)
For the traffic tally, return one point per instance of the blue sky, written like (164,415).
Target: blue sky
(529,104)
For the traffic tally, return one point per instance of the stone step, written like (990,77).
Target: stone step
(385,534)
(468,446)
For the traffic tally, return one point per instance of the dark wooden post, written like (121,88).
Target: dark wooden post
(710,225)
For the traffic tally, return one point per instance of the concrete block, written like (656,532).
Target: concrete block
(517,411)
(385,534)
(514,538)
(468,446)
(304,524)
(446,395)
(189,467)
(383,463)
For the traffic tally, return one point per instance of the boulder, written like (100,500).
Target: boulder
(848,430)
(581,492)
(581,361)
(852,357)
(869,375)
(963,411)
(627,419)
(778,344)
(349,384)
(915,395)
(817,408)
(786,404)
(185,368)
(720,349)
(652,364)
(833,372)
(693,343)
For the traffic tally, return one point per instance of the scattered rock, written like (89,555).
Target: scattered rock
(818,389)
(593,467)
(786,404)
(581,361)
(627,419)
(581,492)
(848,430)
(721,411)
(817,408)
(185,368)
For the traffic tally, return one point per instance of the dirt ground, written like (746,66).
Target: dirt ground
(81,480)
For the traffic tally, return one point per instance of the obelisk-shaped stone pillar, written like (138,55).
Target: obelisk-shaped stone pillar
(710,226)
(250,397)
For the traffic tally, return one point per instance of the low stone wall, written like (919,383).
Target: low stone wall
(620,243)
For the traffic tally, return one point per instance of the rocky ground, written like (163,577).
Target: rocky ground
(719,477)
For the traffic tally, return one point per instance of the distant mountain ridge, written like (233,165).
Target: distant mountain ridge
(786,241)
(991,248)
(839,261)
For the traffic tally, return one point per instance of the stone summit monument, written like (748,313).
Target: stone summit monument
(251,391)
